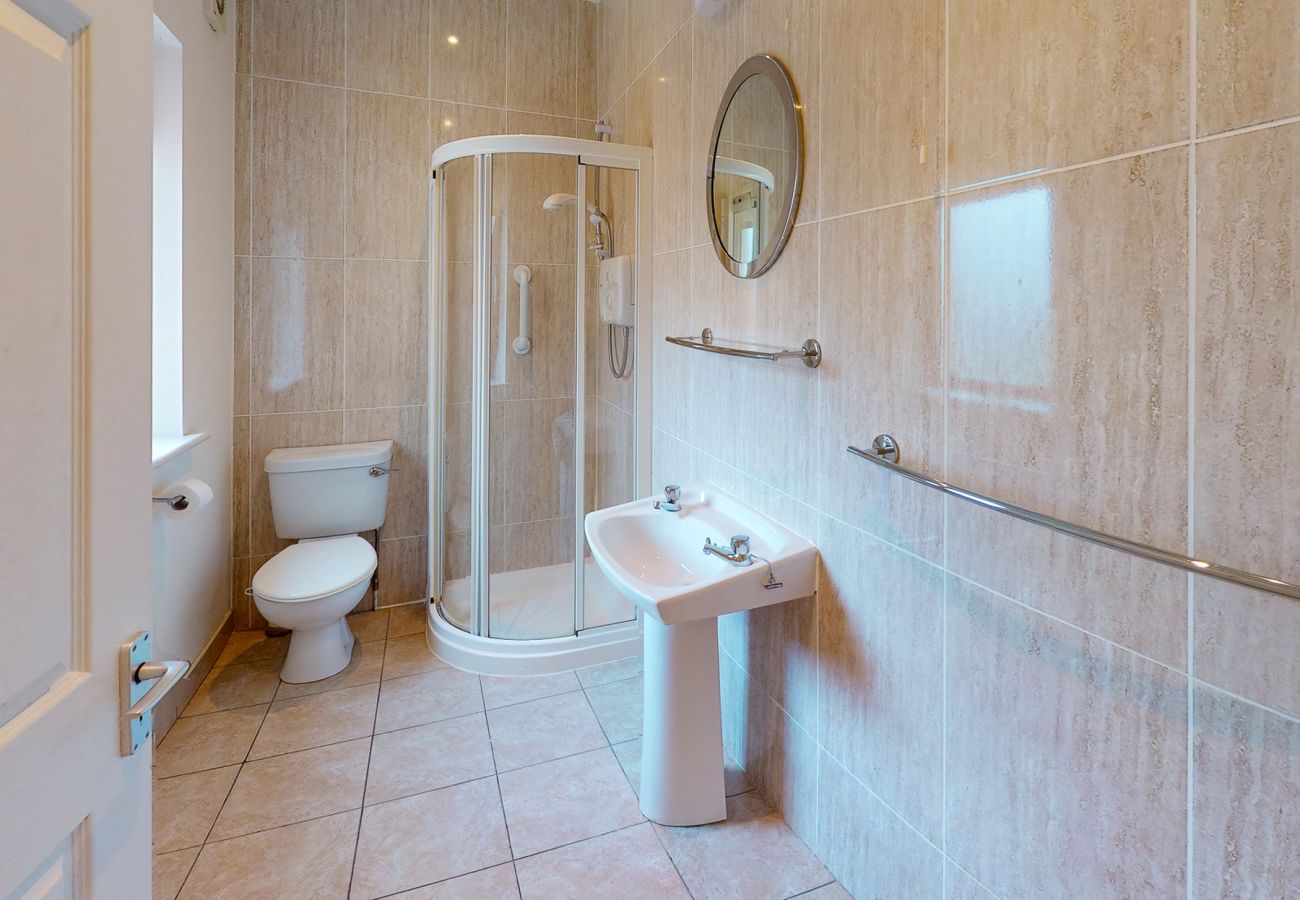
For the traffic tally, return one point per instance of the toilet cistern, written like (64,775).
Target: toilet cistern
(323,497)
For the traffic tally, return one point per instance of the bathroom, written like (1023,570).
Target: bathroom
(961,335)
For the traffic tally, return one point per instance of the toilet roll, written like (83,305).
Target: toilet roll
(195,490)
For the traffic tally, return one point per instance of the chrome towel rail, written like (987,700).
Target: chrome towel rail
(884,452)
(810,352)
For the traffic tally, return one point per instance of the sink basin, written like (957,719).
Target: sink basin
(656,559)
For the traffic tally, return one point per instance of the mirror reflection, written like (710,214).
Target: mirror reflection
(755,165)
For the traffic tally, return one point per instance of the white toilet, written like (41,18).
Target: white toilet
(322,496)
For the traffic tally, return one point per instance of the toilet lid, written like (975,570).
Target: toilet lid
(311,569)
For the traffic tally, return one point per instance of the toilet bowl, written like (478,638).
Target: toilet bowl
(310,588)
(323,497)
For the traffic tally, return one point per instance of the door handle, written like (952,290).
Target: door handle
(138,700)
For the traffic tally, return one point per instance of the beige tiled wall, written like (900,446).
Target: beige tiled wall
(1051,247)
(339,105)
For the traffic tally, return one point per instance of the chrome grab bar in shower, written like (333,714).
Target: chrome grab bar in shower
(884,452)
(810,352)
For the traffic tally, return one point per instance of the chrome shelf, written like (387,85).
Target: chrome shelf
(884,452)
(810,352)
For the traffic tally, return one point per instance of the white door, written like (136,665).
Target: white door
(75,137)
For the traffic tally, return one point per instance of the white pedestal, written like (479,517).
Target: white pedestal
(681,748)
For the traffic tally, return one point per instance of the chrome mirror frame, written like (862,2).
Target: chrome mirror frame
(771,68)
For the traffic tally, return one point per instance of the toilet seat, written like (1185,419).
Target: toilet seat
(315,568)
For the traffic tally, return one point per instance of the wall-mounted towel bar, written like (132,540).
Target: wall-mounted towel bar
(810,352)
(884,452)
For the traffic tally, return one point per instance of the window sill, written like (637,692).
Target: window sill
(165,449)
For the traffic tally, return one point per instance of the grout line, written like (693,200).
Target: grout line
(654,827)
(317,818)
(945,572)
(862,784)
(1293,718)
(596,715)
(1105,640)
(921,198)
(365,784)
(764,691)
(813,889)
(1245,129)
(427,884)
(220,809)
(820,423)
(350,259)
(429,99)
(944,330)
(1190,594)
(1048,171)
(633,79)
(189,869)
(960,868)
(343,188)
(496,776)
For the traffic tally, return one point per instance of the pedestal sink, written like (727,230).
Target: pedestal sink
(656,558)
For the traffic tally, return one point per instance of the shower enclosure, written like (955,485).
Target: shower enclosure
(539,394)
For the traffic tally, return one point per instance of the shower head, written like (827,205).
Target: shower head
(595,215)
(560,201)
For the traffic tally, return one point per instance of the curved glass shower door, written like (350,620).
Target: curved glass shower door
(520,397)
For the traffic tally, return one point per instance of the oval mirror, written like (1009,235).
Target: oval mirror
(755,167)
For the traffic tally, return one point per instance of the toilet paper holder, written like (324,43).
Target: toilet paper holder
(178,502)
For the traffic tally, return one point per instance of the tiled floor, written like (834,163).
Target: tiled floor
(404,777)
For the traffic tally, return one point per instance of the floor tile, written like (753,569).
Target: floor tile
(431,697)
(206,742)
(604,673)
(629,757)
(409,655)
(427,757)
(250,646)
(566,800)
(618,706)
(230,687)
(501,690)
(371,625)
(541,730)
(310,860)
(626,864)
(185,806)
(364,668)
(751,854)
(317,720)
(408,619)
(496,883)
(169,871)
(429,837)
(295,787)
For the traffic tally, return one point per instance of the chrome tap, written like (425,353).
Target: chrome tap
(739,555)
(672,501)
